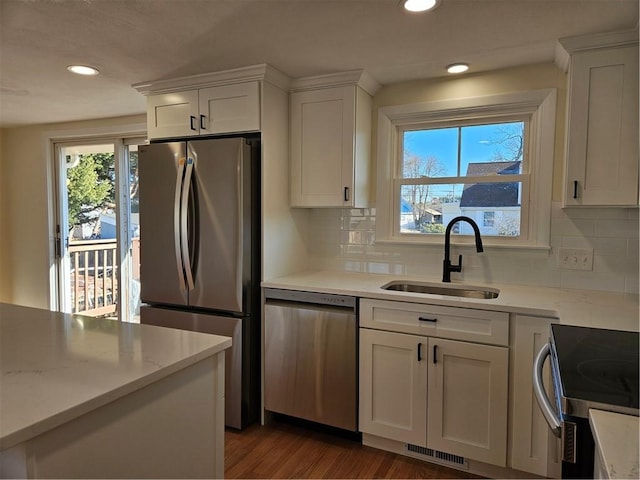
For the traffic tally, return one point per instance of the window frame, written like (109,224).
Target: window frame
(538,106)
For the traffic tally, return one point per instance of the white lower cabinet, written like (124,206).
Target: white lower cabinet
(445,395)
(533,447)
(467,407)
(393,386)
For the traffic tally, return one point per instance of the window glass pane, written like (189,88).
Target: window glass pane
(492,149)
(427,209)
(430,153)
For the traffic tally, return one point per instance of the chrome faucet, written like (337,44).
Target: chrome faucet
(447,267)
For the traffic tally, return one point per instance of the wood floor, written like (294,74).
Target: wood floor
(284,449)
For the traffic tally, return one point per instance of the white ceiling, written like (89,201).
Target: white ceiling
(133,41)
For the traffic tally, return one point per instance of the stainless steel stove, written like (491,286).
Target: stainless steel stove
(590,368)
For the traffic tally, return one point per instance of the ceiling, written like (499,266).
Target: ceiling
(133,41)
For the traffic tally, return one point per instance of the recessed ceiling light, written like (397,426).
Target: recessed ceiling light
(458,68)
(83,70)
(419,5)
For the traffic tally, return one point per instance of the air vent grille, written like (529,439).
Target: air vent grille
(436,456)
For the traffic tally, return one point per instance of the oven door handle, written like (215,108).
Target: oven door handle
(541,396)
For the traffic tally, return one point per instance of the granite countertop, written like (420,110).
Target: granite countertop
(616,438)
(572,307)
(56,367)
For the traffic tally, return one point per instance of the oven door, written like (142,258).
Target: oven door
(574,433)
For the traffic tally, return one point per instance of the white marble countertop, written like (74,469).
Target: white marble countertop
(616,438)
(56,367)
(572,307)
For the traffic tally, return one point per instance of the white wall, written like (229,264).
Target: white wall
(345,239)
(25,238)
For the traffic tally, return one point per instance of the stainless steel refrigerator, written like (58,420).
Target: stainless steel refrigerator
(199,252)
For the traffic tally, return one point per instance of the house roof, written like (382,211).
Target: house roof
(492,194)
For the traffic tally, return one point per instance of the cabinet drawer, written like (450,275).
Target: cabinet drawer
(483,326)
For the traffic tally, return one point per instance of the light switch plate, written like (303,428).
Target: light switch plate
(575,258)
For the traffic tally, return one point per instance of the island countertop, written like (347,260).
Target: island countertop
(56,367)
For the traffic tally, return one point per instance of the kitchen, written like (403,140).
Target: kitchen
(339,239)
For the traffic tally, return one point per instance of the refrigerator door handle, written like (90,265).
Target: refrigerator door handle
(184,228)
(177,215)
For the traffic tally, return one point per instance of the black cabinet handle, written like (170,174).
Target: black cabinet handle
(419,351)
(435,354)
(575,189)
(346,194)
(191,124)
(202,118)
(426,319)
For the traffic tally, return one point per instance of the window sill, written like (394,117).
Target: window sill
(486,243)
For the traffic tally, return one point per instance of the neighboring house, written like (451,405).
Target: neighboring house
(494,206)
(407,223)
(108,225)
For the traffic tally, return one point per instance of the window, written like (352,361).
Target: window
(453,170)
(489,219)
(489,158)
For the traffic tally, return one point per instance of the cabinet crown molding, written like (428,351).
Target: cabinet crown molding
(351,77)
(567,46)
(260,72)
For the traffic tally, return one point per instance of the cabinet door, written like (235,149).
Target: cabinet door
(602,134)
(467,398)
(230,108)
(393,386)
(531,440)
(172,115)
(322,147)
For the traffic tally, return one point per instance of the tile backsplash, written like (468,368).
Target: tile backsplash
(344,239)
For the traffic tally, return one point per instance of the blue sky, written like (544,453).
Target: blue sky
(442,143)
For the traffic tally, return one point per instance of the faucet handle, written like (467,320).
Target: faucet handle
(458,267)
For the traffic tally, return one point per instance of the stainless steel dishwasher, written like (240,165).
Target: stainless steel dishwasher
(310,366)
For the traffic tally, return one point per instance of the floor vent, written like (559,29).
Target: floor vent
(436,456)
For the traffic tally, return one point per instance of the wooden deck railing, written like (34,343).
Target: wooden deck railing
(94,268)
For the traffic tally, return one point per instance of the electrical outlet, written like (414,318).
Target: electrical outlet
(575,258)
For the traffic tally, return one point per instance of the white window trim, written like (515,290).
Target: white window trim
(540,104)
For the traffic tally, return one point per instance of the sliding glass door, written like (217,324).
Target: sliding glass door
(97,232)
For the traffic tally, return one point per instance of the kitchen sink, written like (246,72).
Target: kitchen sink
(437,289)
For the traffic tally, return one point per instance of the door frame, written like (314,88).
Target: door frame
(121,137)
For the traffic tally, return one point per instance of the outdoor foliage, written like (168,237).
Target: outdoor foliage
(88,188)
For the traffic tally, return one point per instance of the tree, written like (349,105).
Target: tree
(86,191)
(415,166)
(510,138)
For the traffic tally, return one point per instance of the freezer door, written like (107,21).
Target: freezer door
(160,168)
(217,325)
(221,188)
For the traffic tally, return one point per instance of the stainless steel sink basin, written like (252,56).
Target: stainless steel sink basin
(438,289)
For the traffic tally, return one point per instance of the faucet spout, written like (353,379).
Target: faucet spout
(448,267)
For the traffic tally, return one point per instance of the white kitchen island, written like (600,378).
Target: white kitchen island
(90,398)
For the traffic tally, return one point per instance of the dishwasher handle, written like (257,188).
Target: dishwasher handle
(541,396)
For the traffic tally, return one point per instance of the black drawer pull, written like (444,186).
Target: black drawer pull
(202,119)
(419,351)
(435,354)
(575,189)
(425,319)
(191,124)
(346,194)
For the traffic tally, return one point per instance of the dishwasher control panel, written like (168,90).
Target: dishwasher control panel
(310,297)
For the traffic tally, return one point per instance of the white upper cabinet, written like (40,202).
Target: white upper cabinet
(220,109)
(330,140)
(602,120)
(172,114)
(213,103)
